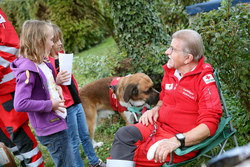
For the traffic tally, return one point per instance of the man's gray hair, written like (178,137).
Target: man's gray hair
(193,43)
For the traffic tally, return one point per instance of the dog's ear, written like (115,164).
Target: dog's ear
(130,90)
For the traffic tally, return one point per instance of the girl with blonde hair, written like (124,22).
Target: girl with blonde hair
(36,91)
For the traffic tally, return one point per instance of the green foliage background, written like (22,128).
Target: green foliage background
(140,37)
(82,27)
(226,39)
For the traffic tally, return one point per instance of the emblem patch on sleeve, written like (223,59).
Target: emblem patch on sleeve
(208,78)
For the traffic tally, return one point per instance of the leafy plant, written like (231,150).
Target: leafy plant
(173,15)
(16,12)
(139,36)
(80,32)
(226,38)
(83,23)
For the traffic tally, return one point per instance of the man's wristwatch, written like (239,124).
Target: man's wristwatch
(181,138)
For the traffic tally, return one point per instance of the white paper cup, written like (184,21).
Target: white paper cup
(65,63)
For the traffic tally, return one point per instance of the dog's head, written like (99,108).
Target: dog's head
(137,90)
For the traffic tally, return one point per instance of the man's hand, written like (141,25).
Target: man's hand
(149,116)
(162,148)
(62,76)
(58,105)
(165,148)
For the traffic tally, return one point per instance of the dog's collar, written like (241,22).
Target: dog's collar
(114,102)
(113,84)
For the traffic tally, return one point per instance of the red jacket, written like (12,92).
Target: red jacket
(190,101)
(9,45)
(66,93)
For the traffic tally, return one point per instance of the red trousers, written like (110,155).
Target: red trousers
(133,142)
(143,146)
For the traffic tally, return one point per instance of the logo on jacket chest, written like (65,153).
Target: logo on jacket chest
(169,86)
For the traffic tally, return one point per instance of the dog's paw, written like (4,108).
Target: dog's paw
(152,149)
(97,144)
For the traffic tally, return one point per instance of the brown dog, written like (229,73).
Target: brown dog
(134,90)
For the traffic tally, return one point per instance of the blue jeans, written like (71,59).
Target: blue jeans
(78,131)
(59,148)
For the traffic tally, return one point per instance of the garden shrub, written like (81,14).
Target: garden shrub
(140,37)
(173,14)
(79,29)
(226,38)
(80,32)
(16,12)
(225,35)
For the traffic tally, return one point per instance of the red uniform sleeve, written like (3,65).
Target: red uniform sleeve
(210,110)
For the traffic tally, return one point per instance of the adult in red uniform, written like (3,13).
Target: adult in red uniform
(188,111)
(14,132)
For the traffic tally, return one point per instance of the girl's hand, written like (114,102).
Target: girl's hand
(59,90)
(58,105)
(62,76)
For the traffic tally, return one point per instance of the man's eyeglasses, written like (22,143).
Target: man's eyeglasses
(172,49)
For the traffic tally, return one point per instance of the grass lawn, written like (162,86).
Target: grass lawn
(91,65)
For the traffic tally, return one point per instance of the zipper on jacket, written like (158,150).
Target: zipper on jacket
(174,93)
(175,86)
(209,91)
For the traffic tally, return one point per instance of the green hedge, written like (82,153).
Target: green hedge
(140,37)
(173,14)
(16,11)
(80,30)
(226,39)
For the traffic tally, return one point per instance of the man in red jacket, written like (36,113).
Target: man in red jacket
(188,111)
(14,129)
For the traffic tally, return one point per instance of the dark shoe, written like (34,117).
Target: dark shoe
(99,164)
